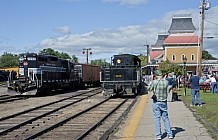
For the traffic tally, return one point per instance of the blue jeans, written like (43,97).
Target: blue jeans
(213,86)
(195,92)
(160,110)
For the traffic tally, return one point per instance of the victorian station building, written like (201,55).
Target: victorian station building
(180,42)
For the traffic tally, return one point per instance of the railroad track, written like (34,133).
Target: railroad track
(16,125)
(3,84)
(7,98)
(3,96)
(67,118)
(103,117)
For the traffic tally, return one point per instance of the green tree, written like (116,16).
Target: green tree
(74,59)
(207,56)
(9,60)
(143,59)
(64,55)
(167,67)
(100,62)
(50,51)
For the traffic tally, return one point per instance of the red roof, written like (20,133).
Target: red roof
(154,54)
(181,40)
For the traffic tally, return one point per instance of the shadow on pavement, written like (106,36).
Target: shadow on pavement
(175,131)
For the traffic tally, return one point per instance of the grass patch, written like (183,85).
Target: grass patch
(209,110)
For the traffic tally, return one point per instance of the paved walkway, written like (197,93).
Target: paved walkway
(184,125)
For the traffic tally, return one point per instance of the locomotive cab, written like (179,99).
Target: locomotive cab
(42,74)
(25,80)
(123,76)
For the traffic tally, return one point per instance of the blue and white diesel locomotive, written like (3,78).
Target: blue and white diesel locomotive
(40,74)
(123,76)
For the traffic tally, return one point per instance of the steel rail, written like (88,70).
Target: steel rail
(3,96)
(12,99)
(28,110)
(100,121)
(42,115)
(64,121)
(3,85)
(117,122)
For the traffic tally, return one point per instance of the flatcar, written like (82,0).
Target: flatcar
(122,77)
(41,74)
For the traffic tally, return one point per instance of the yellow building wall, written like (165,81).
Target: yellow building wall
(179,51)
(11,69)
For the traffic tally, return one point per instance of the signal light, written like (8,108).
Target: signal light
(90,52)
(83,52)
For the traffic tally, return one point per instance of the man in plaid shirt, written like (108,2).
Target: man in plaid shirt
(159,107)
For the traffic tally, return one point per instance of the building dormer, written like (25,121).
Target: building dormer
(182,24)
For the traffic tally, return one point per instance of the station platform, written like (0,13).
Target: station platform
(139,125)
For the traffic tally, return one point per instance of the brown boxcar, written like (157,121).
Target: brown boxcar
(89,74)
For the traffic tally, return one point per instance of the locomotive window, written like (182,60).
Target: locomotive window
(54,58)
(31,58)
(39,58)
(21,58)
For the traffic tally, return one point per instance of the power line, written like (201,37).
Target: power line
(211,22)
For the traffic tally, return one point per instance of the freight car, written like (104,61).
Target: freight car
(89,74)
(123,76)
(41,74)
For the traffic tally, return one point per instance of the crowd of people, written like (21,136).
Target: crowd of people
(164,88)
(212,80)
(175,82)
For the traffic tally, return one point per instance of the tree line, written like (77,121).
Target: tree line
(12,60)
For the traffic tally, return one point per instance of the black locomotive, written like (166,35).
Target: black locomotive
(123,76)
(40,74)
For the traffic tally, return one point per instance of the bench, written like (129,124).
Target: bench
(204,86)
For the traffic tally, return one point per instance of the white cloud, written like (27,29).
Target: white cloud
(211,30)
(131,39)
(127,2)
(63,29)
(122,2)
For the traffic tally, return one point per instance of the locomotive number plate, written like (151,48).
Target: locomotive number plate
(118,76)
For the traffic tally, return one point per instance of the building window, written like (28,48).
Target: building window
(173,57)
(192,57)
(183,56)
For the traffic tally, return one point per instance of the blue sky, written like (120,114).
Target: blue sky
(107,26)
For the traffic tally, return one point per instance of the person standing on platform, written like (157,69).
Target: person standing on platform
(195,88)
(170,86)
(159,106)
(212,83)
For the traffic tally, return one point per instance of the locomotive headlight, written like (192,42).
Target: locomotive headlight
(118,61)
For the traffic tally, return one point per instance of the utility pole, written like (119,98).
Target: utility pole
(204,6)
(147,52)
(87,54)
(147,58)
